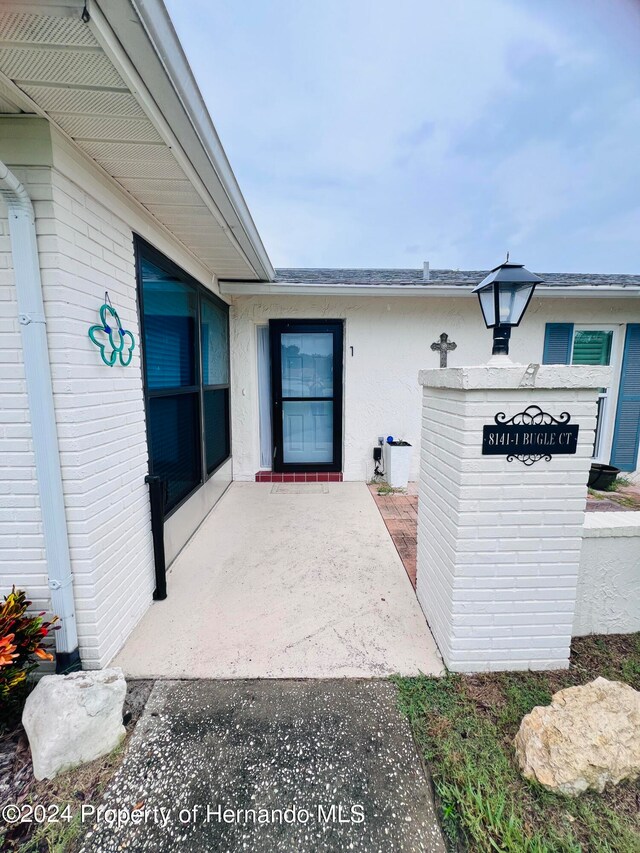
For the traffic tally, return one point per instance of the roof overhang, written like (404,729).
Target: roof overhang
(261,288)
(120,88)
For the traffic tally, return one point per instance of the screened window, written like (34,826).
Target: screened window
(593,346)
(170,308)
(215,344)
(216,418)
(185,337)
(214,334)
(174,443)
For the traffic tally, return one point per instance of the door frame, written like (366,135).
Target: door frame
(276,328)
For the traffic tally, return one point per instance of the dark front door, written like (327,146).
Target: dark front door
(306,383)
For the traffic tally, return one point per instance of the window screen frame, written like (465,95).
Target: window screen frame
(203,297)
(145,251)
(604,438)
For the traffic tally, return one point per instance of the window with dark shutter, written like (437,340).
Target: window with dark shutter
(593,346)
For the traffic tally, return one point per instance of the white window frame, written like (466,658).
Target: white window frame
(608,406)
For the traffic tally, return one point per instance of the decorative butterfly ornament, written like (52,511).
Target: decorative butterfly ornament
(114,342)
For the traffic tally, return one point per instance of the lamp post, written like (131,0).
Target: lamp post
(504,297)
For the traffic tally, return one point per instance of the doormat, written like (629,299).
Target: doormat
(299,489)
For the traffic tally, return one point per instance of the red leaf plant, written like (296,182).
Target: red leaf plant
(22,638)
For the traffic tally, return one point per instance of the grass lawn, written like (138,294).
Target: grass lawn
(69,790)
(464,727)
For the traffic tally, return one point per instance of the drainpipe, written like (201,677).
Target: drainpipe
(26,267)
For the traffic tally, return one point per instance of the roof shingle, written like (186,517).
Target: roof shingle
(409,277)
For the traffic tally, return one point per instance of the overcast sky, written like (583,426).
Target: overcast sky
(373,133)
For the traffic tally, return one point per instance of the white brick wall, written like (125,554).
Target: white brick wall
(84,249)
(85,225)
(499,542)
(85,231)
(100,417)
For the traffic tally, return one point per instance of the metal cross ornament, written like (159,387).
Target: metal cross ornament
(443,346)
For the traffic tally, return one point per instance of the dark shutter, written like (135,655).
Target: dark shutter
(624,451)
(557,343)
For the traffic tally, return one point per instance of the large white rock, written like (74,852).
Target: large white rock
(72,719)
(588,736)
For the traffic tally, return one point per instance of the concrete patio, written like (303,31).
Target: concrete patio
(286,581)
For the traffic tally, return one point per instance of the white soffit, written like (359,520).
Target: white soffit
(8,107)
(48,53)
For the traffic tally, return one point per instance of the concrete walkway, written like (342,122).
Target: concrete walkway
(286,581)
(268,766)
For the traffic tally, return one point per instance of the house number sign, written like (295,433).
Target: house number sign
(529,436)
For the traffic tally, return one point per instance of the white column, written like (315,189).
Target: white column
(499,541)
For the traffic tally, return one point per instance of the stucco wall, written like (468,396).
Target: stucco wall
(608,599)
(391,338)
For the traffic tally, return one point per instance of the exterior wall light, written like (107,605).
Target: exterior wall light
(504,297)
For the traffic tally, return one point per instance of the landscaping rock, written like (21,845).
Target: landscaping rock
(588,736)
(72,719)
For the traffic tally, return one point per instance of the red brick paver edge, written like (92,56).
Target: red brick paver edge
(304,477)
(400,514)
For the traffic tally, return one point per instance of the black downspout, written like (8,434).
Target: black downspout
(68,662)
(157,492)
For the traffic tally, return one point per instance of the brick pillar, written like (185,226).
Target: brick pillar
(499,541)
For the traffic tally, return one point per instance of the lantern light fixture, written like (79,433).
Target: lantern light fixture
(504,296)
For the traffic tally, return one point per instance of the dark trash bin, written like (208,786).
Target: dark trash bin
(602,476)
